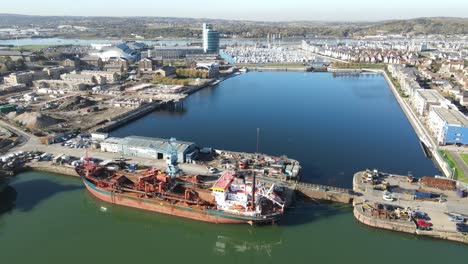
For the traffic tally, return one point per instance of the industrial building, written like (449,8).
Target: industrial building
(210,39)
(448,125)
(424,99)
(145,147)
(122,50)
(172,52)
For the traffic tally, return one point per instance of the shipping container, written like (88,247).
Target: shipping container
(423,195)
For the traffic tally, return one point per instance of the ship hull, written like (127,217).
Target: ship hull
(208,215)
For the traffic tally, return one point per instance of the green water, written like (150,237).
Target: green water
(54,220)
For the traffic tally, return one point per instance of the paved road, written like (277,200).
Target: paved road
(25,138)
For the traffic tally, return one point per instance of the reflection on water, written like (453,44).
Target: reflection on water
(225,245)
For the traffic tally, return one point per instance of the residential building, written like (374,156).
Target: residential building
(79,78)
(424,99)
(166,71)
(119,69)
(449,126)
(92,62)
(117,61)
(25,78)
(108,76)
(145,65)
(70,63)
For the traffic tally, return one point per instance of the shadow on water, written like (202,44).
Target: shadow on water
(7,200)
(306,212)
(31,193)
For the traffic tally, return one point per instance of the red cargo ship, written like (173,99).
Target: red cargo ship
(230,200)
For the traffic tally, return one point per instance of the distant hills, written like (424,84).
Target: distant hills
(153,27)
(437,25)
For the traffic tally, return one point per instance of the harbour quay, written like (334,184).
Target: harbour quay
(429,206)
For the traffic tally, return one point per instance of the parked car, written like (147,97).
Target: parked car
(424,225)
(462,228)
(457,218)
(420,215)
(212,170)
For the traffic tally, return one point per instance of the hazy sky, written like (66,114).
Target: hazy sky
(271,10)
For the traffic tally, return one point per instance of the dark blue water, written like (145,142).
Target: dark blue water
(333,124)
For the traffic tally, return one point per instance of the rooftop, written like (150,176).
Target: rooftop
(154,143)
(430,95)
(452,117)
(223,182)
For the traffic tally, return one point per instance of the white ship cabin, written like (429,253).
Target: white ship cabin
(233,194)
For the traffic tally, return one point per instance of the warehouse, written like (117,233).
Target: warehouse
(145,147)
(448,125)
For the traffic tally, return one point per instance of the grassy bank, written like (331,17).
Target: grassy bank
(458,173)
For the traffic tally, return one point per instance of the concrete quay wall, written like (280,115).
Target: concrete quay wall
(405,227)
(134,114)
(53,168)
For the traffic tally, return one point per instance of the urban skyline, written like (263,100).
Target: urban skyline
(334,10)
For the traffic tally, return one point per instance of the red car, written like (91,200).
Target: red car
(424,225)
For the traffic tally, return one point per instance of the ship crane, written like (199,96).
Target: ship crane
(171,159)
(268,194)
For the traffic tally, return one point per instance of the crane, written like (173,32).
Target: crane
(171,158)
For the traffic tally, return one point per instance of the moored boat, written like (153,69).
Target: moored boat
(230,200)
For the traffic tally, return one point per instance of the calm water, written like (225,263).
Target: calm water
(334,126)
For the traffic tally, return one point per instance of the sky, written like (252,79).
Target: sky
(260,10)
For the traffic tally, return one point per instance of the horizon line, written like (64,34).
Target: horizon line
(241,20)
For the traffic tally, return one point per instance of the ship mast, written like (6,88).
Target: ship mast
(253,192)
